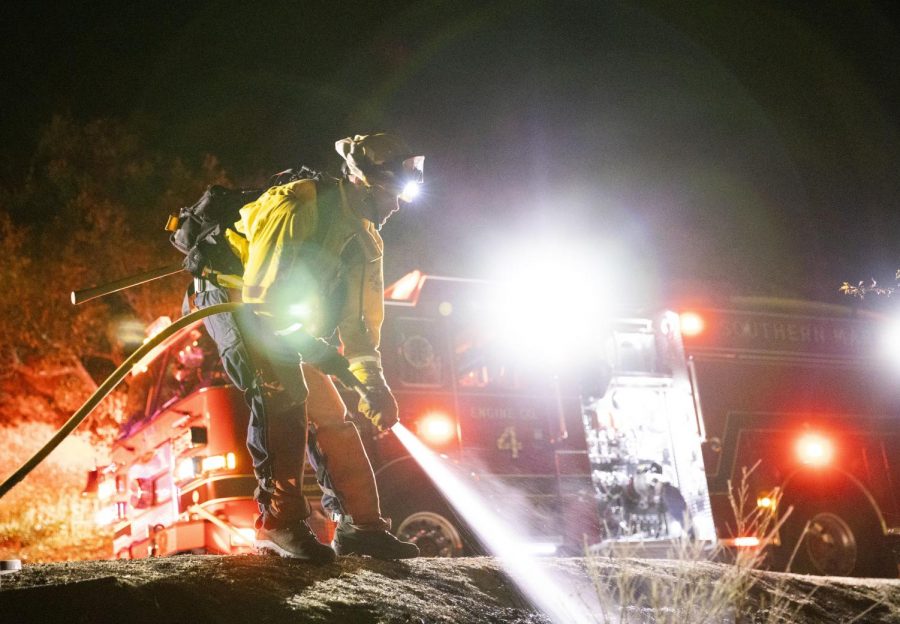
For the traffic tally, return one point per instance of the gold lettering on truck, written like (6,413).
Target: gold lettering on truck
(509,442)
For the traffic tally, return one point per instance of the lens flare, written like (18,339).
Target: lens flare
(890,342)
(243,536)
(301,311)
(560,604)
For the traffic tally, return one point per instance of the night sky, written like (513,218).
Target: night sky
(752,147)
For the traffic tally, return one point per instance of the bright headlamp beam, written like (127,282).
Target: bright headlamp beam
(290,329)
(691,324)
(410,191)
(543,591)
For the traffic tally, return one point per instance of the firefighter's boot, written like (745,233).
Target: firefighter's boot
(377,542)
(281,528)
(295,541)
(362,530)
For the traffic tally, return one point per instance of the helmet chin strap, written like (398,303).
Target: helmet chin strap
(370,210)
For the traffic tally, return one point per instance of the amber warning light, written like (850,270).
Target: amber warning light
(691,324)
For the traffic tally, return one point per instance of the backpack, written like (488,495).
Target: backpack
(199,230)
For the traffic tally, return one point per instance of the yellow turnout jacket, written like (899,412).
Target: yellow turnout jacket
(311,257)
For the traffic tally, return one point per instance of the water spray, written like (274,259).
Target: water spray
(560,604)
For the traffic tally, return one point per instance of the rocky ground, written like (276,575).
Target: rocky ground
(259,590)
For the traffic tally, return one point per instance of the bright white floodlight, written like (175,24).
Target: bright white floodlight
(891,342)
(551,302)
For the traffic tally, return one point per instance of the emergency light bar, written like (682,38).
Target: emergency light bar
(407,288)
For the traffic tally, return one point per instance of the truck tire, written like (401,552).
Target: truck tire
(428,522)
(835,539)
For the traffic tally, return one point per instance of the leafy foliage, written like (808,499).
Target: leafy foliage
(90,211)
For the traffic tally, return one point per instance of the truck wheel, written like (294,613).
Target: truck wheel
(428,523)
(834,540)
(433,533)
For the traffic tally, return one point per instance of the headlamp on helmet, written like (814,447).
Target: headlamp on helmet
(411,174)
(383,161)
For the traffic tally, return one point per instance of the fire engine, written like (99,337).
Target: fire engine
(640,443)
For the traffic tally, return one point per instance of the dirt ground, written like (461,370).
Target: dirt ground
(255,589)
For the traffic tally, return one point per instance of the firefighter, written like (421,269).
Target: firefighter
(228,330)
(312,258)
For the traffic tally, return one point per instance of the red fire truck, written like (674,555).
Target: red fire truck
(809,394)
(180,480)
(636,445)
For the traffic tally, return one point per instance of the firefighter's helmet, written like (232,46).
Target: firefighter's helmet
(371,157)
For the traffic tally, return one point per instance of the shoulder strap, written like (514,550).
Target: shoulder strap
(328,208)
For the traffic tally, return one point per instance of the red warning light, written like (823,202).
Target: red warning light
(814,449)
(406,288)
(436,428)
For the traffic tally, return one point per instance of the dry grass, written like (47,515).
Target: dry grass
(686,592)
(45,518)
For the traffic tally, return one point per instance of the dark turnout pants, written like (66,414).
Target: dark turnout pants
(269,374)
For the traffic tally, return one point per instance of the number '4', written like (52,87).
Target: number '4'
(508,442)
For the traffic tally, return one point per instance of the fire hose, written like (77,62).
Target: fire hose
(106,387)
(345,376)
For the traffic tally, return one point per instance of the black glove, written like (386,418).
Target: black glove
(379,405)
